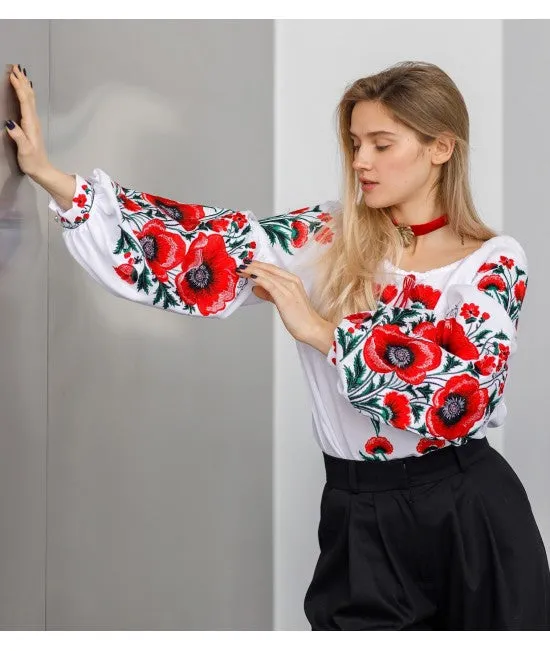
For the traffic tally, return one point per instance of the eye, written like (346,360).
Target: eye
(382,148)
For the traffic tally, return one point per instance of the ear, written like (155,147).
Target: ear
(443,148)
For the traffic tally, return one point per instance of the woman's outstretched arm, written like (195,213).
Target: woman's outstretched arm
(160,251)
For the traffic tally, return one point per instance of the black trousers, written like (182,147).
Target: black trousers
(447,541)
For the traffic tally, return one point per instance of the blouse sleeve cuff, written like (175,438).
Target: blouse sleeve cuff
(79,212)
(332,353)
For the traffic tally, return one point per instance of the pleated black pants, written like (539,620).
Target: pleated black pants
(447,541)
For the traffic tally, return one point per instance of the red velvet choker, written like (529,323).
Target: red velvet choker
(409,232)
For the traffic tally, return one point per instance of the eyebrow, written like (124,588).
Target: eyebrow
(375,133)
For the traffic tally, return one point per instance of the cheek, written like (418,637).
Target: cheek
(402,169)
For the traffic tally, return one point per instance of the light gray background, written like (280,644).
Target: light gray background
(159,472)
(159,428)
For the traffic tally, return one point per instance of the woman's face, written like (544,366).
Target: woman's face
(400,166)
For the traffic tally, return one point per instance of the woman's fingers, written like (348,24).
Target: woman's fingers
(17,134)
(26,97)
(274,269)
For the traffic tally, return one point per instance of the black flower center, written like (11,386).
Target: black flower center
(399,356)
(454,408)
(199,277)
(149,245)
(171,211)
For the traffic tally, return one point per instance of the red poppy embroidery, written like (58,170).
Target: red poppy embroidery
(426,330)
(425,445)
(187,215)
(128,204)
(457,407)
(162,250)
(127,272)
(389,350)
(451,337)
(209,280)
(299,233)
(503,354)
(492,282)
(378,444)
(388,293)
(359,318)
(469,310)
(487,266)
(519,290)
(507,262)
(485,365)
(324,236)
(218,225)
(400,409)
(299,211)
(239,219)
(80,200)
(426,295)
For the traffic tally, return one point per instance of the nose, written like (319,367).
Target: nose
(360,163)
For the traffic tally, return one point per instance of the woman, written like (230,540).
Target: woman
(404,306)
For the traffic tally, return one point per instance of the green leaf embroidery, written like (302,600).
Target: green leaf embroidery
(144,282)
(164,295)
(450,363)
(417,410)
(125,242)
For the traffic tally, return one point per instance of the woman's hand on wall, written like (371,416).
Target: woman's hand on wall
(31,150)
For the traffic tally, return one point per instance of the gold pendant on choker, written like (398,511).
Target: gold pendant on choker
(407,235)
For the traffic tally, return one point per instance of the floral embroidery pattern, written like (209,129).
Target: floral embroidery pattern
(84,198)
(401,366)
(187,254)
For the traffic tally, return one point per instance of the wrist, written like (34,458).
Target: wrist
(43,174)
(322,336)
(59,185)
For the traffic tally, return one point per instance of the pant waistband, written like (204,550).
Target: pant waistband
(359,476)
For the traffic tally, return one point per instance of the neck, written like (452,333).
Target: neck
(411,215)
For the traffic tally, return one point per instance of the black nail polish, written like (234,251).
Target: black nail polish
(253,276)
(241,266)
(10,124)
(25,71)
(19,66)
(247,261)
(31,84)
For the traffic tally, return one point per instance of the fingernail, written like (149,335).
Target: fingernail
(31,84)
(10,124)
(241,266)
(253,276)
(19,66)
(25,71)
(247,261)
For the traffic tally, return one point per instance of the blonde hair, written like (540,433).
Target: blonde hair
(424,98)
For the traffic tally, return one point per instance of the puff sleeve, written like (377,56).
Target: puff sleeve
(176,256)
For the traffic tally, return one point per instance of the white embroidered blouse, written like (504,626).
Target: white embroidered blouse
(426,369)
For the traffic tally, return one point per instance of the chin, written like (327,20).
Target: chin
(371,202)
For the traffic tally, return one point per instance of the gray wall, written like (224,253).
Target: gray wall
(526,173)
(23,349)
(159,473)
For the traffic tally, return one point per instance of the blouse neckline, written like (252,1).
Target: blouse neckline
(446,267)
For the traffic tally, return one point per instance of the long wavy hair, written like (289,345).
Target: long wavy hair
(424,98)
